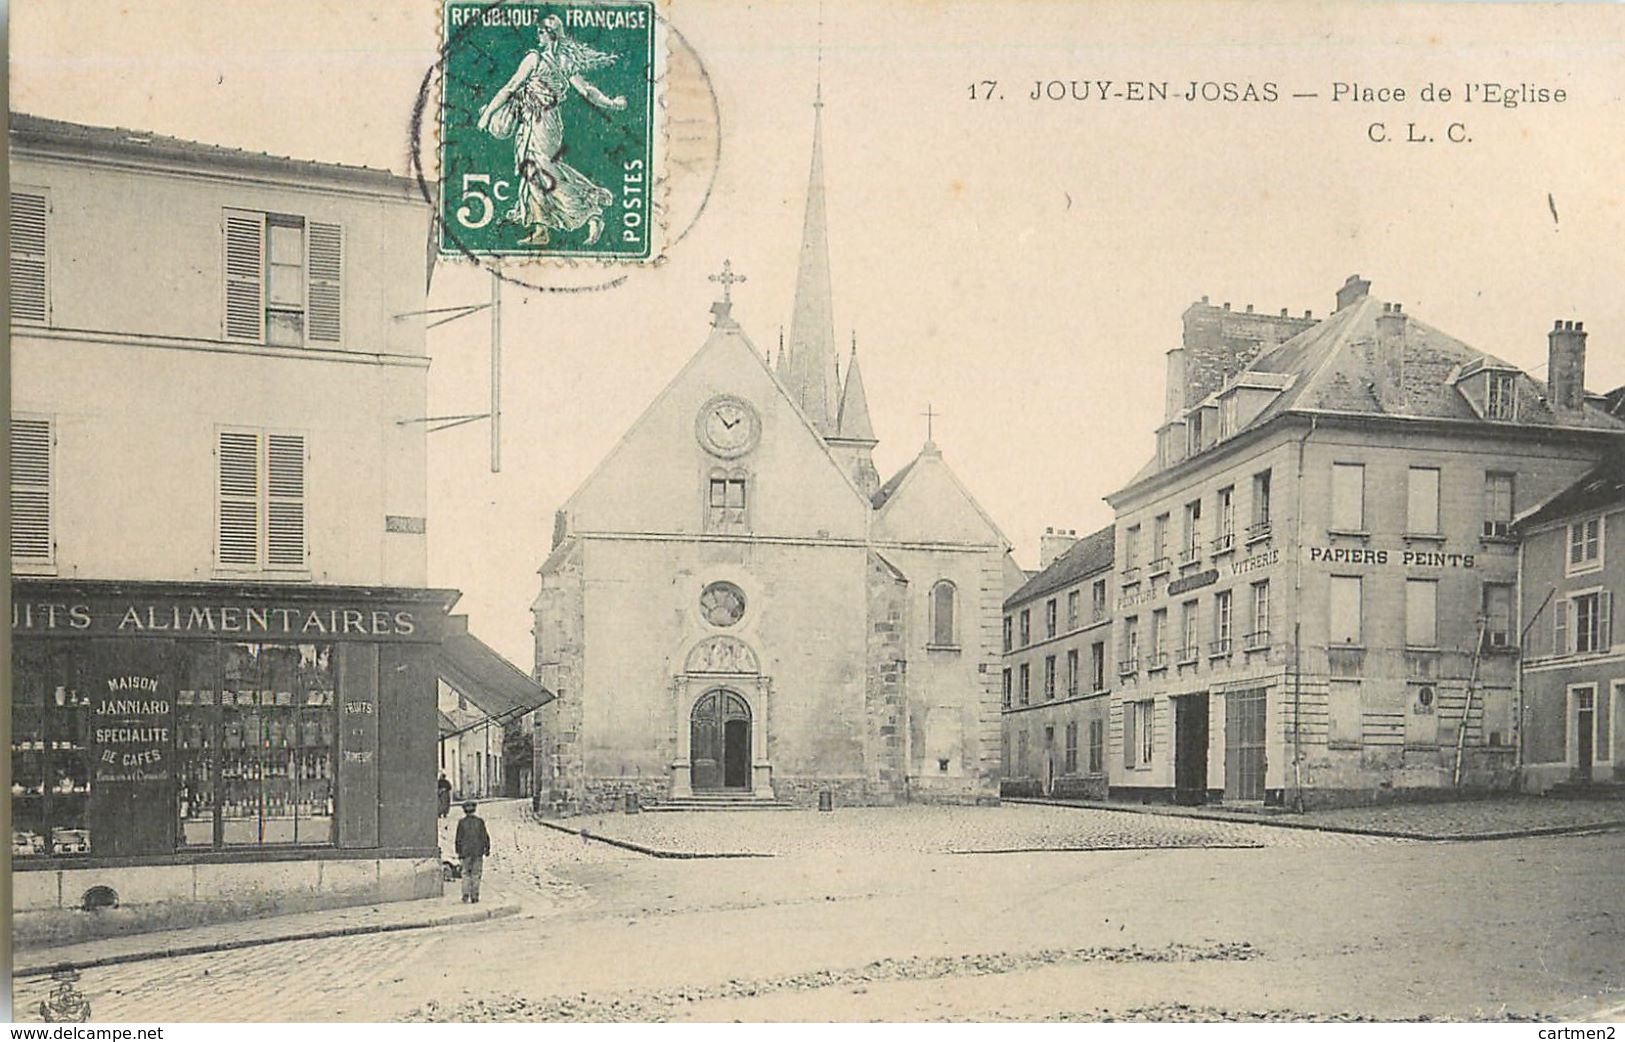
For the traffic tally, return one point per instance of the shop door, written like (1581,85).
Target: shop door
(1585,724)
(719,742)
(1244,745)
(1190,750)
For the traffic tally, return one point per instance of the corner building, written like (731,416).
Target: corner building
(1317,571)
(735,608)
(223,649)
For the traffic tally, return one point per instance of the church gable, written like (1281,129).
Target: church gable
(930,505)
(720,450)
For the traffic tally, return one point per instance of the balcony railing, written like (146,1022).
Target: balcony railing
(1128,667)
(1258,530)
(1258,640)
(1224,543)
(1218,648)
(1155,661)
(1187,655)
(1189,555)
(1131,573)
(1160,565)
(1097,615)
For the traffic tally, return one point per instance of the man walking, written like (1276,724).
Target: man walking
(473,843)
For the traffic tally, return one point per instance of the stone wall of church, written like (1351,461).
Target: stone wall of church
(557,629)
(887,690)
(952,690)
(641,617)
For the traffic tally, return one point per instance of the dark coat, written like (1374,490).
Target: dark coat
(472,839)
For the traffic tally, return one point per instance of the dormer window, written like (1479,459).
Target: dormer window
(1502,401)
(1194,426)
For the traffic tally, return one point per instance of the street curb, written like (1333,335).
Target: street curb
(1107,850)
(1347,830)
(639,848)
(501,911)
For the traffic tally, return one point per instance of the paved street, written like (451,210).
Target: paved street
(1301,924)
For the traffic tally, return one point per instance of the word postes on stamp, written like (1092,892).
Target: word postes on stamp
(548,136)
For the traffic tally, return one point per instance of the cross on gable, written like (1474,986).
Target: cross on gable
(727,278)
(930,414)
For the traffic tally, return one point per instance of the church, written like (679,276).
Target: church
(737,609)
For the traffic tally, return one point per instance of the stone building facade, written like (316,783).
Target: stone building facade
(1058,674)
(1316,572)
(1573,575)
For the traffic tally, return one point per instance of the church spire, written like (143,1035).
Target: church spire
(812,322)
(854,422)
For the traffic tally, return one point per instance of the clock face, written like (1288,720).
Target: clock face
(722,604)
(728,426)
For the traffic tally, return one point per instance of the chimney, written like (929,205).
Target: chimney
(1174,394)
(1391,324)
(1054,543)
(1354,287)
(1566,365)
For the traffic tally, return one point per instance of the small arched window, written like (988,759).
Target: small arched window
(943,597)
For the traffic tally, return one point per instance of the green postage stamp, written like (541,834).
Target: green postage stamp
(548,136)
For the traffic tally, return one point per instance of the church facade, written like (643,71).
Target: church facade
(735,603)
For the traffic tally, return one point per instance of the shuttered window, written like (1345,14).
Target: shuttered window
(245,275)
(261,497)
(30,282)
(283,279)
(31,491)
(326,268)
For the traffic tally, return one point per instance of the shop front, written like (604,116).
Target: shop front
(191,751)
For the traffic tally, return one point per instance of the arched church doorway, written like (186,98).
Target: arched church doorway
(719,742)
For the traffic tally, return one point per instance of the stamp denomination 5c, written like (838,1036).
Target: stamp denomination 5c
(548,135)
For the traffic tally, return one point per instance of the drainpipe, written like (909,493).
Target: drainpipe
(1297,627)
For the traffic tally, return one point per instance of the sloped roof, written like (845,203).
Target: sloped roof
(121,141)
(1347,365)
(895,482)
(1603,487)
(852,422)
(487,679)
(1092,553)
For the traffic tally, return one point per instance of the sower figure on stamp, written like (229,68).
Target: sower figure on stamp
(552,194)
(473,844)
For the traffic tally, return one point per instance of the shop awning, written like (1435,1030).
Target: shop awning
(485,679)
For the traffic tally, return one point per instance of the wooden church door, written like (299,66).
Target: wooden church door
(719,742)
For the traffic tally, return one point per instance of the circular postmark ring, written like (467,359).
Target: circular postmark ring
(680,94)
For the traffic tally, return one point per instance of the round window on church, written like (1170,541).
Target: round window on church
(722,604)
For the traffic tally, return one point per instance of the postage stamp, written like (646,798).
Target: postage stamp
(549,130)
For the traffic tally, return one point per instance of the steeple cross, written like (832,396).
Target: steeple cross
(727,278)
(929,414)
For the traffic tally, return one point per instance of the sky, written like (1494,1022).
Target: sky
(1019,266)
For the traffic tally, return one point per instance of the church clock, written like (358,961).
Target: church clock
(727,426)
(722,604)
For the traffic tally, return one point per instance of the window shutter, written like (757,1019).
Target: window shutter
(31,490)
(1560,627)
(1605,621)
(285,531)
(326,274)
(239,523)
(1129,740)
(245,275)
(30,297)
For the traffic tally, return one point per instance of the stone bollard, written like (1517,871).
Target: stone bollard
(826,800)
(630,803)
